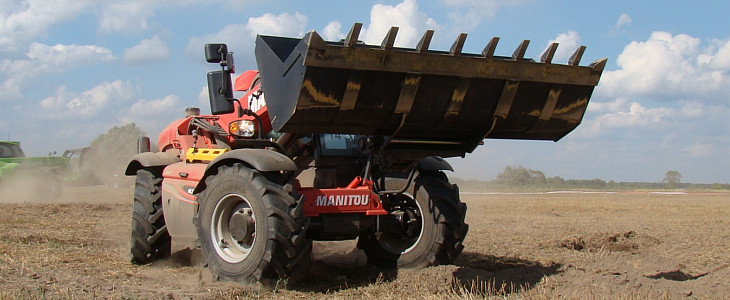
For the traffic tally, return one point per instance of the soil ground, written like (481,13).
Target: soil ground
(519,246)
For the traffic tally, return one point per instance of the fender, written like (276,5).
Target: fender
(150,159)
(260,159)
(434,163)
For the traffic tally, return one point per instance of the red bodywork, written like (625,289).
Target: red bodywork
(357,197)
(177,136)
(184,177)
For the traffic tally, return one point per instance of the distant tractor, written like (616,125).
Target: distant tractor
(347,144)
(44,173)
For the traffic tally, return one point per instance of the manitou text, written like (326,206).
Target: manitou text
(342,200)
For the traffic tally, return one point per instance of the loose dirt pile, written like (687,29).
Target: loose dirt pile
(519,246)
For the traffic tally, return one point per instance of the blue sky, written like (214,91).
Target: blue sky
(71,69)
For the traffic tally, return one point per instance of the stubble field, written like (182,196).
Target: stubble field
(519,246)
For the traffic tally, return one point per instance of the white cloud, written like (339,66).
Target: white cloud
(234,35)
(153,115)
(624,19)
(668,67)
(132,16)
(68,55)
(170,103)
(407,16)
(282,25)
(612,106)
(240,37)
(333,31)
(719,60)
(636,116)
(693,109)
(468,14)
(204,100)
(412,23)
(23,21)
(125,16)
(569,42)
(65,105)
(44,59)
(147,51)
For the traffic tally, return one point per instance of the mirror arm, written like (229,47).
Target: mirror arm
(240,107)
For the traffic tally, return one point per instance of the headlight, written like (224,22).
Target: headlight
(242,128)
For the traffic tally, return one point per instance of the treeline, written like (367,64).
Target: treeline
(515,178)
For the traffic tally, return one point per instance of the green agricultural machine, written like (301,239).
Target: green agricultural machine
(40,175)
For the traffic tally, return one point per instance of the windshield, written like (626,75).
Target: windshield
(339,145)
(8,150)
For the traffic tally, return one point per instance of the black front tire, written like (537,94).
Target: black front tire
(272,245)
(150,239)
(442,229)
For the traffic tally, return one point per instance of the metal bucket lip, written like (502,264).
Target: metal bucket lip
(359,56)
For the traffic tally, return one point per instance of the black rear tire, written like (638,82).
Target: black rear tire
(273,244)
(442,229)
(150,239)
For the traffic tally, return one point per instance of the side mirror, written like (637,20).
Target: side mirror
(215,53)
(218,53)
(220,91)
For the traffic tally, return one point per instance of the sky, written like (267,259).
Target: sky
(71,69)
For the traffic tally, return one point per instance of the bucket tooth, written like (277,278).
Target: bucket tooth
(577,55)
(458,45)
(519,53)
(352,36)
(389,39)
(598,65)
(488,51)
(547,56)
(425,41)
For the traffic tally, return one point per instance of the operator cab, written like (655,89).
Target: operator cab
(337,159)
(10,150)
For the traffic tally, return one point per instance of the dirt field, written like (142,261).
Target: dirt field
(519,246)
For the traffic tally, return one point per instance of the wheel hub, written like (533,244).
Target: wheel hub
(407,228)
(242,226)
(233,228)
(408,223)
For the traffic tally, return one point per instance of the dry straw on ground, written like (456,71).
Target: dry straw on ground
(519,246)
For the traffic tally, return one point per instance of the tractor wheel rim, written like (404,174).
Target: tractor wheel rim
(223,237)
(397,245)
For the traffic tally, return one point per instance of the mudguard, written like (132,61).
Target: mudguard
(434,163)
(149,159)
(259,159)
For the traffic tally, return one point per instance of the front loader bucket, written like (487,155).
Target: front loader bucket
(446,102)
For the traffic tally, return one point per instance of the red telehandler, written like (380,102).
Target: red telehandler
(346,144)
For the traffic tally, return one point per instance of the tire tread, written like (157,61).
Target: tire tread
(149,237)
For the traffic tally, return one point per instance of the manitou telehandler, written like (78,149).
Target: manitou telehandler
(341,140)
